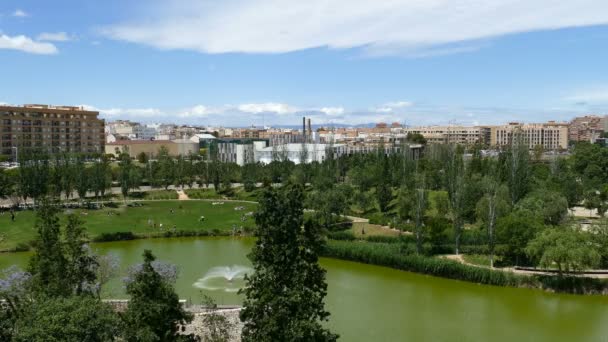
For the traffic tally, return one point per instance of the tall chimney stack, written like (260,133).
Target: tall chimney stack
(303,129)
(309,131)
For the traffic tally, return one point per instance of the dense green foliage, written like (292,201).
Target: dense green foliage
(284,295)
(154,312)
(72,319)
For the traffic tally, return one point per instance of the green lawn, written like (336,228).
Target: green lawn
(185,216)
(371,230)
(480,260)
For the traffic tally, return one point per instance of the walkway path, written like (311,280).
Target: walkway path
(460,259)
(182,195)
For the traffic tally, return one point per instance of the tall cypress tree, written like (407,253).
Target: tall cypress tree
(284,295)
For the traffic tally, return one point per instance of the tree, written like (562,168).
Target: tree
(142,158)
(180,173)
(551,206)
(82,179)
(14,292)
(384,193)
(129,175)
(567,249)
(62,267)
(217,326)
(419,211)
(518,167)
(456,186)
(101,179)
(165,172)
(416,138)
(226,181)
(514,231)
(248,174)
(284,295)
(441,203)
(108,266)
(48,264)
(81,263)
(330,204)
(596,200)
(34,175)
(6,184)
(363,200)
(405,204)
(154,312)
(68,319)
(493,205)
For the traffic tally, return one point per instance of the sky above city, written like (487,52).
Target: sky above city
(269,62)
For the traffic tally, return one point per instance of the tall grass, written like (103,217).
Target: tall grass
(388,254)
(392,255)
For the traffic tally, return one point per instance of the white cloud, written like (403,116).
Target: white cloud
(398,104)
(287,114)
(198,111)
(591,96)
(332,111)
(268,107)
(20,14)
(26,44)
(127,113)
(54,37)
(423,27)
(389,107)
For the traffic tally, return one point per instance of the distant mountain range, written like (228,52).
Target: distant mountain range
(335,125)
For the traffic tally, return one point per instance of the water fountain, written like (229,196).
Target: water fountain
(223,278)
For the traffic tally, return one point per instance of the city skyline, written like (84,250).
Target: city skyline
(235,64)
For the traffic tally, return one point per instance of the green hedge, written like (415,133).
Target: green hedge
(118,236)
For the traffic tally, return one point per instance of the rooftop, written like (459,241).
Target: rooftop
(48,108)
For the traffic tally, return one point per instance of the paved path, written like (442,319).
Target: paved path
(182,196)
(460,259)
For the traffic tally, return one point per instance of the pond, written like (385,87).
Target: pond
(372,303)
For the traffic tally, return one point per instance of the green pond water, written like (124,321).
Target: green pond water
(371,303)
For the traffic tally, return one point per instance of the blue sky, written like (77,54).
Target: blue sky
(237,62)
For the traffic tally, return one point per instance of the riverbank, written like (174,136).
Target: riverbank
(390,255)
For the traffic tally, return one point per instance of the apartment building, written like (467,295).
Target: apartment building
(587,128)
(465,135)
(550,135)
(151,148)
(51,129)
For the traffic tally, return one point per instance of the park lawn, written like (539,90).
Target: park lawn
(371,230)
(185,216)
(479,260)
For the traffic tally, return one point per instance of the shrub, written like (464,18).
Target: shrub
(117,236)
(342,235)
(22,247)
